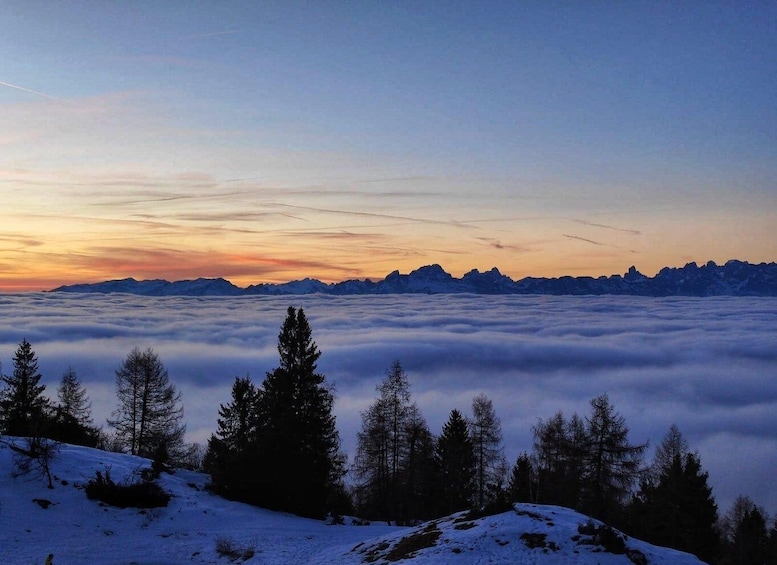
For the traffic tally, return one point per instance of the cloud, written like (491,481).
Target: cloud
(708,365)
(27,90)
(578,238)
(606,227)
(374,215)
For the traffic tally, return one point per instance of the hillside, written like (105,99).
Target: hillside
(735,278)
(36,521)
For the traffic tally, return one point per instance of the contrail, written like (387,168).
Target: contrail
(15,87)
(591,241)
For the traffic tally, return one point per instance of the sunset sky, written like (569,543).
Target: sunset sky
(267,141)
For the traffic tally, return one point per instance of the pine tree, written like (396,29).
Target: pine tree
(745,534)
(231,456)
(22,404)
(297,435)
(522,484)
(612,464)
(72,418)
(148,417)
(490,465)
(73,400)
(456,462)
(675,507)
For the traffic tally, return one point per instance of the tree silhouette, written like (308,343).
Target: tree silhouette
(675,507)
(297,435)
(456,461)
(612,463)
(22,404)
(148,419)
(486,434)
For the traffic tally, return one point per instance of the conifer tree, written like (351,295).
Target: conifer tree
(231,455)
(745,535)
(296,429)
(612,465)
(521,486)
(675,507)
(148,419)
(22,404)
(486,434)
(456,461)
(383,446)
(551,454)
(73,401)
(71,420)
(418,475)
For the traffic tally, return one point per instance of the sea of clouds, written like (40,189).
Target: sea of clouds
(708,365)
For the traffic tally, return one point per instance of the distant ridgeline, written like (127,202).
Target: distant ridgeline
(735,278)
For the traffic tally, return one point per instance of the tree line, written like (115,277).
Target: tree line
(277,446)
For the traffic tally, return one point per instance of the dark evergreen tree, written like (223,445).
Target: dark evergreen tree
(490,465)
(522,484)
(22,404)
(297,436)
(675,507)
(231,458)
(148,419)
(745,534)
(71,421)
(612,466)
(771,551)
(551,454)
(456,462)
(418,475)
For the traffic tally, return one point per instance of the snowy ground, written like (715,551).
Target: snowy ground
(77,530)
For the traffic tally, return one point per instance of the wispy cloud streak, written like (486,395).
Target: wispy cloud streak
(28,90)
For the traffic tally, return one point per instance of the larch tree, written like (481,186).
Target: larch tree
(148,418)
(490,464)
(418,475)
(297,435)
(613,465)
(22,404)
(550,457)
(382,447)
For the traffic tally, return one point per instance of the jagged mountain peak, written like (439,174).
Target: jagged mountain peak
(735,278)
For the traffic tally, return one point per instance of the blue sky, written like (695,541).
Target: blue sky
(263,141)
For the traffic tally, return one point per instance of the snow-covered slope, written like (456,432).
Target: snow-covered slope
(530,534)
(80,531)
(36,521)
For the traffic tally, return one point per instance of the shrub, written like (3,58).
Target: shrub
(227,547)
(603,535)
(130,494)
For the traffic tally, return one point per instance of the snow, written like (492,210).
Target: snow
(77,530)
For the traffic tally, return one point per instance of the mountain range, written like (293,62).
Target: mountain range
(735,278)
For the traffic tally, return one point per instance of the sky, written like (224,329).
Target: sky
(270,141)
(707,365)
